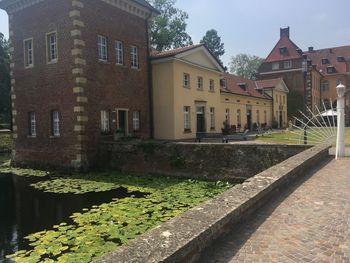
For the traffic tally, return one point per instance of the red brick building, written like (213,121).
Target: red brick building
(311,76)
(80,74)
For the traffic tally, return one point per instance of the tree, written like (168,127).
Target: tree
(168,30)
(245,65)
(5,101)
(213,43)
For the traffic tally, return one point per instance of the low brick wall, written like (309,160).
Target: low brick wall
(225,162)
(183,238)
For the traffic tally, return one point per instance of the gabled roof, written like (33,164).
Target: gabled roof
(232,86)
(145,3)
(291,50)
(332,55)
(180,53)
(277,83)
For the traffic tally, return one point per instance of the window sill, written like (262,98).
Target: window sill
(28,67)
(52,62)
(134,68)
(187,131)
(31,137)
(212,91)
(103,61)
(212,129)
(55,136)
(200,89)
(186,87)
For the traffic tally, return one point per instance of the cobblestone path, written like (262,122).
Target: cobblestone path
(308,223)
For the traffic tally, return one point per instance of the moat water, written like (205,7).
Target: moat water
(25,210)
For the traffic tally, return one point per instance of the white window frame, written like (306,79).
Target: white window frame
(186,80)
(265,117)
(28,53)
(200,83)
(119,52)
(105,121)
(32,123)
(134,56)
(55,119)
(287,64)
(211,85)
(212,118)
(187,118)
(102,48)
(51,47)
(136,120)
(275,65)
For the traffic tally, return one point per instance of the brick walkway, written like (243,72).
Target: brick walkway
(308,223)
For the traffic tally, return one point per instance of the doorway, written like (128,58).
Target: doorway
(122,122)
(281,120)
(249,119)
(201,119)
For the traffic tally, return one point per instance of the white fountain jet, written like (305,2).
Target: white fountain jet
(340,148)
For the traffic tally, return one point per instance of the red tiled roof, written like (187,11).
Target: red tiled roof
(291,52)
(268,83)
(232,86)
(331,54)
(173,52)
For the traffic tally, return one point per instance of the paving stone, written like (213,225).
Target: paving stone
(308,223)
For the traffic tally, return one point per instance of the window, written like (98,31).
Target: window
(265,117)
(243,86)
(200,83)
(105,128)
(119,51)
(276,98)
(211,85)
(51,47)
(102,48)
(186,80)
(28,53)
(227,116)
(212,118)
(258,117)
(275,66)
(223,83)
(55,123)
(325,61)
(330,69)
(340,59)
(136,120)
(134,57)
(325,85)
(284,99)
(287,64)
(239,118)
(187,118)
(32,124)
(283,50)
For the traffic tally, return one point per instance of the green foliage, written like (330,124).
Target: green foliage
(102,228)
(5,141)
(168,30)
(5,102)
(213,43)
(245,66)
(23,172)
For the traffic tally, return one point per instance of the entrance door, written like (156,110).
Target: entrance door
(122,122)
(201,119)
(249,119)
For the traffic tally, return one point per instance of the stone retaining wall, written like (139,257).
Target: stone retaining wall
(225,162)
(183,238)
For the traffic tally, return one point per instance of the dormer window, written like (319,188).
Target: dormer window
(243,86)
(330,69)
(223,83)
(283,50)
(325,61)
(340,59)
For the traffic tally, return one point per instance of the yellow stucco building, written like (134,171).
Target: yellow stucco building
(191,94)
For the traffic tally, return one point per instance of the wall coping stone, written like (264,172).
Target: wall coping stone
(182,238)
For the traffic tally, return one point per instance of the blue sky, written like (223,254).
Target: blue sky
(252,26)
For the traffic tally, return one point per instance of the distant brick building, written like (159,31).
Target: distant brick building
(311,76)
(80,74)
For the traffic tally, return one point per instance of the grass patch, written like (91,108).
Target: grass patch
(100,229)
(296,137)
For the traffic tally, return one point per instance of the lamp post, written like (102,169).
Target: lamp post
(340,148)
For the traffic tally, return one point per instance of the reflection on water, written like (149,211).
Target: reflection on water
(24,210)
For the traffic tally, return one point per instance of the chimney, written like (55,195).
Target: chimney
(311,49)
(284,32)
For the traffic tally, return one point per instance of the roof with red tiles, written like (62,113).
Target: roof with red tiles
(173,52)
(291,50)
(268,83)
(233,86)
(333,56)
